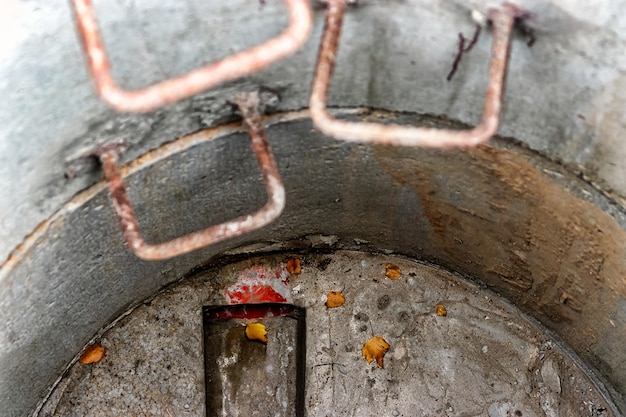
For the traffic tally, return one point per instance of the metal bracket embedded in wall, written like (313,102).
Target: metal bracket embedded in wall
(248,106)
(246,62)
(175,89)
(503,19)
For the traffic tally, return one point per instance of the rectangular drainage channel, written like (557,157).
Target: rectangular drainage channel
(254,359)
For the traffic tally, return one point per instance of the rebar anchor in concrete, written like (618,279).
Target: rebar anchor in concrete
(503,19)
(248,104)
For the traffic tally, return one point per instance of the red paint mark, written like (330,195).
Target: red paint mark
(254,294)
(257,284)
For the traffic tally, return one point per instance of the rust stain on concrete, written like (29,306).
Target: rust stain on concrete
(497,217)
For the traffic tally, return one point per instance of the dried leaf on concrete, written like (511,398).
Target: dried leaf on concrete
(92,354)
(256,331)
(375,348)
(294,266)
(441,310)
(393,271)
(335,299)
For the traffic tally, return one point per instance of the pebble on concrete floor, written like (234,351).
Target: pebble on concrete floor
(482,358)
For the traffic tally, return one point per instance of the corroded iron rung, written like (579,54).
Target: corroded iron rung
(172,90)
(175,89)
(503,19)
(249,61)
(248,104)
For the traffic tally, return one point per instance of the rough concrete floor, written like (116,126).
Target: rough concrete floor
(482,359)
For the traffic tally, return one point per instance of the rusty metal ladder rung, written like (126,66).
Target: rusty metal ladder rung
(503,19)
(246,62)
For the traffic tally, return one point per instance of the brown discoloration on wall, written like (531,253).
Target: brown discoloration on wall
(496,216)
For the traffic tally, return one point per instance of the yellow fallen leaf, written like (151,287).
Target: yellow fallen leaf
(392,271)
(256,331)
(375,348)
(294,266)
(335,299)
(441,310)
(92,354)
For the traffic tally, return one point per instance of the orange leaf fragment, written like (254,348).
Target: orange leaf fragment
(375,348)
(92,354)
(256,331)
(392,271)
(335,299)
(441,310)
(294,266)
